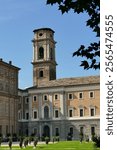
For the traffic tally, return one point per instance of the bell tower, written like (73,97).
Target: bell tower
(44,63)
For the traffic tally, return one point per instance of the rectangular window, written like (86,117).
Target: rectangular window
(34,98)
(35,114)
(70,96)
(91,94)
(81,112)
(71,131)
(70,113)
(27,115)
(92,112)
(45,97)
(92,130)
(81,130)
(81,95)
(56,96)
(56,114)
(57,131)
(35,131)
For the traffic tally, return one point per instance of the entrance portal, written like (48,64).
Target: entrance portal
(46,131)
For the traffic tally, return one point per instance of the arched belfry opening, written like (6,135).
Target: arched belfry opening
(41,53)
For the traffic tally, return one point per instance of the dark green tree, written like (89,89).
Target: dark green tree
(91,53)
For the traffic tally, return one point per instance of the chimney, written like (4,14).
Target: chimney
(10,62)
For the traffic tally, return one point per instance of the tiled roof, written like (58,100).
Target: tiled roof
(71,81)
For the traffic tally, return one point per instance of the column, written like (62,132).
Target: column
(51,134)
(63,105)
(40,130)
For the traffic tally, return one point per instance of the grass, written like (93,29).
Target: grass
(66,145)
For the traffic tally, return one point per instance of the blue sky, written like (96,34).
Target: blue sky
(18,19)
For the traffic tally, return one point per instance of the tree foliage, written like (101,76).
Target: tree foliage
(92,8)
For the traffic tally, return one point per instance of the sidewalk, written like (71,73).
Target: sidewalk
(17,143)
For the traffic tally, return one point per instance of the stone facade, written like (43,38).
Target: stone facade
(8,98)
(64,111)
(51,107)
(57,107)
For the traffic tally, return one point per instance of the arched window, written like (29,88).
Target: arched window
(51,53)
(46,112)
(41,73)
(71,131)
(41,53)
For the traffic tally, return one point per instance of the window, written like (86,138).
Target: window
(41,53)
(35,131)
(26,100)
(40,34)
(81,112)
(27,115)
(81,130)
(92,130)
(0,129)
(92,112)
(81,95)
(91,94)
(45,97)
(71,131)
(41,73)
(26,132)
(56,113)
(70,113)
(46,112)
(56,131)
(56,96)
(70,96)
(35,114)
(34,98)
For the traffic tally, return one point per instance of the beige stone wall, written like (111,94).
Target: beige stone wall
(8,98)
(86,102)
(76,103)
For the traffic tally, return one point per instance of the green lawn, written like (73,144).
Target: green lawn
(71,145)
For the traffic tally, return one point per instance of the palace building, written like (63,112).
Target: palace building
(57,107)
(51,107)
(8,98)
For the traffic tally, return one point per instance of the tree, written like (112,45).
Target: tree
(92,8)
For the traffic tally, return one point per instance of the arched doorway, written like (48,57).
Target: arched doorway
(46,131)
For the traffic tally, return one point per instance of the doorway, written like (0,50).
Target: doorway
(46,131)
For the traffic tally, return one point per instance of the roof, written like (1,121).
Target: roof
(8,64)
(43,29)
(69,82)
